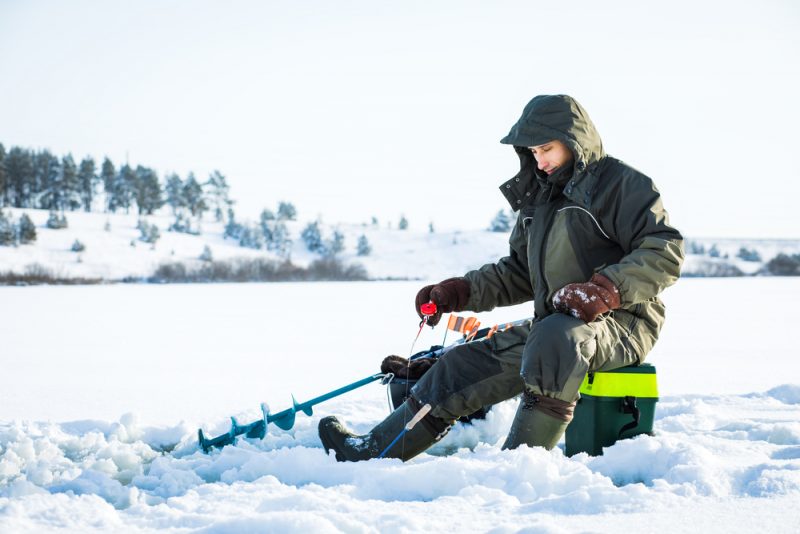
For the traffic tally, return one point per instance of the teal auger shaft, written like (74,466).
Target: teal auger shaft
(283,419)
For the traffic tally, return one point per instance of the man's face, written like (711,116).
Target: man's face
(550,156)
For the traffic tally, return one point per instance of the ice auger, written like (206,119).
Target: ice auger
(284,419)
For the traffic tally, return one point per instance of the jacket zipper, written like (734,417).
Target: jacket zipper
(548,224)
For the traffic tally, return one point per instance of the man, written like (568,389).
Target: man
(592,247)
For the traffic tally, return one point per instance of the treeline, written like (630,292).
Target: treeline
(42,180)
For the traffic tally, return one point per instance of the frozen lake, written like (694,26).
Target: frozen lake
(99,380)
(197,352)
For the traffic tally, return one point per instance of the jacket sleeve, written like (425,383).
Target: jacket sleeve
(504,283)
(653,249)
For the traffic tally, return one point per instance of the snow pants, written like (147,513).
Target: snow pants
(548,357)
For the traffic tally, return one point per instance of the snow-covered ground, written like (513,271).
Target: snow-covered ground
(105,386)
(114,251)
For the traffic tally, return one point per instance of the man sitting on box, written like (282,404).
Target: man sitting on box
(592,247)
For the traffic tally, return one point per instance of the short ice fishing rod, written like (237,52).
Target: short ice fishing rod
(427,310)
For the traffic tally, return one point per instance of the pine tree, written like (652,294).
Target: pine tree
(336,244)
(286,211)
(71,188)
(403,224)
(174,191)
(77,246)
(3,179)
(251,237)
(267,224)
(148,190)
(56,221)
(501,222)
(281,242)
(148,233)
(218,191)
(123,188)
(48,183)
(312,237)
(206,255)
(363,247)
(19,166)
(195,199)
(8,236)
(26,230)
(232,228)
(87,180)
(108,176)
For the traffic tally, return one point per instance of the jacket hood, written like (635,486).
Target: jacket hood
(550,117)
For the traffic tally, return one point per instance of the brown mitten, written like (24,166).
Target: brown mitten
(588,300)
(402,368)
(449,295)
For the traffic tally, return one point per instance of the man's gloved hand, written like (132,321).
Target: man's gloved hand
(402,368)
(588,300)
(449,295)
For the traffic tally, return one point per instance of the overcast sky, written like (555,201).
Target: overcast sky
(351,109)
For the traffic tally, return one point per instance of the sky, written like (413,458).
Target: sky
(354,109)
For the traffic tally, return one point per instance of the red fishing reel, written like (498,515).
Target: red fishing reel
(428,309)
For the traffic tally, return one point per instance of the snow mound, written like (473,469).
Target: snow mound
(704,447)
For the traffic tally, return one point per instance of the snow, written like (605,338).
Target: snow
(98,418)
(117,253)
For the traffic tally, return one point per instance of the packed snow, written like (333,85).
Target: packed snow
(98,418)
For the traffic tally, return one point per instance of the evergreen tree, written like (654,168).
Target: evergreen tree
(748,255)
(363,247)
(501,222)
(281,242)
(56,221)
(71,188)
(19,177)
(336,244)
(77,246)
(286,211)
(218,191)
(3,181)
(148,233)
(183,224)
(8,236)
(26,230)
(195,199)
(108,175)
(251,237)
(312,237)
(148,190)
(232,228)
(123,188)
(267,224)
(48,184)
(206,255)
(175,196)
(403,224)
(430,228)
(87,180)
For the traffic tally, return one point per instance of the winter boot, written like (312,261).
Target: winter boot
(539,422)
(350,447)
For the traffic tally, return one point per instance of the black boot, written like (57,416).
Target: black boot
(350,447)
(539,422)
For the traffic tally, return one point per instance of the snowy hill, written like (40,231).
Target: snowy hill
(114,251)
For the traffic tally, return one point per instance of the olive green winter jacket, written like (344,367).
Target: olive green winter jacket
(599,216)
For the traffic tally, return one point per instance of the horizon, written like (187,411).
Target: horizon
(338,109)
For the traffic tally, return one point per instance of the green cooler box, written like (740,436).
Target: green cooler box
(614,405)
